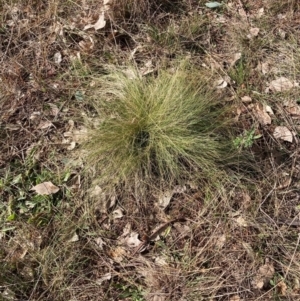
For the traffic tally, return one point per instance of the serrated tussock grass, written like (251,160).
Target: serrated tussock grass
(158,129)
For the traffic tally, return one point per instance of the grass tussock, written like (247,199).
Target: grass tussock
(163,128)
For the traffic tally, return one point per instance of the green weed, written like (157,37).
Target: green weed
(247,139)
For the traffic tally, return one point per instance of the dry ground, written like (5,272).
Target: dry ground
(239,241)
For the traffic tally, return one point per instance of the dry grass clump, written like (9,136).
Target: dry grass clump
(159,129)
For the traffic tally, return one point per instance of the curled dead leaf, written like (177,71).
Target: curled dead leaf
(282,287)
(292,108)
(118,213)
(117,254)
(235,298)
(164,199)
(132,240)
(220,241)
(263,276)
(241,221)
(236,57)
(282,84)
(72,145)
(99,24)
(45,188)
(57,58)
(262,116)
(246,99)
(283,133)
(99,242)
(45,124)
(74,238)
(161,260)
(221,84)
(105,277)
(253,32)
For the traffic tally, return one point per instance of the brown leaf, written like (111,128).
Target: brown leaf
(105,277)
(263,276)
(98,25)
(132,240)
(45,124)
(283,133)
(45,188)
(164,199)
(282,84)
(241,221)
(282,287)
(246,99)
(236,57)
(117,254)
(253,32)
(262,116)
(220,241)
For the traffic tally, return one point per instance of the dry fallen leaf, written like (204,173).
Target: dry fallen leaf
(236,57)
(283,133)
(98,25)
(105,277)
(262,116)
(35,115)
(249,250)
(246,99)
(118,213)
(260,12)
(117,254)
(282,33)
(74,238)
(221,84)
(263,276)
(292,107)
(72,145)
(241,221)
(235,298)
(253,32)
(220,241)
(57,58)
(282,287)
(161,260)
(263,67)
(132,240)
(80,135)
(45,124)
(54,109)
(99,242)
(164,199)
(179,189)
(106,4)
(269,110)
(242,13)
(282,84)
(158,297)
(45,188)
(87,45)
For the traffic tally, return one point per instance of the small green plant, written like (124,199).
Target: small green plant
(247,139)
(132,292)
(240,72)
(158,129)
